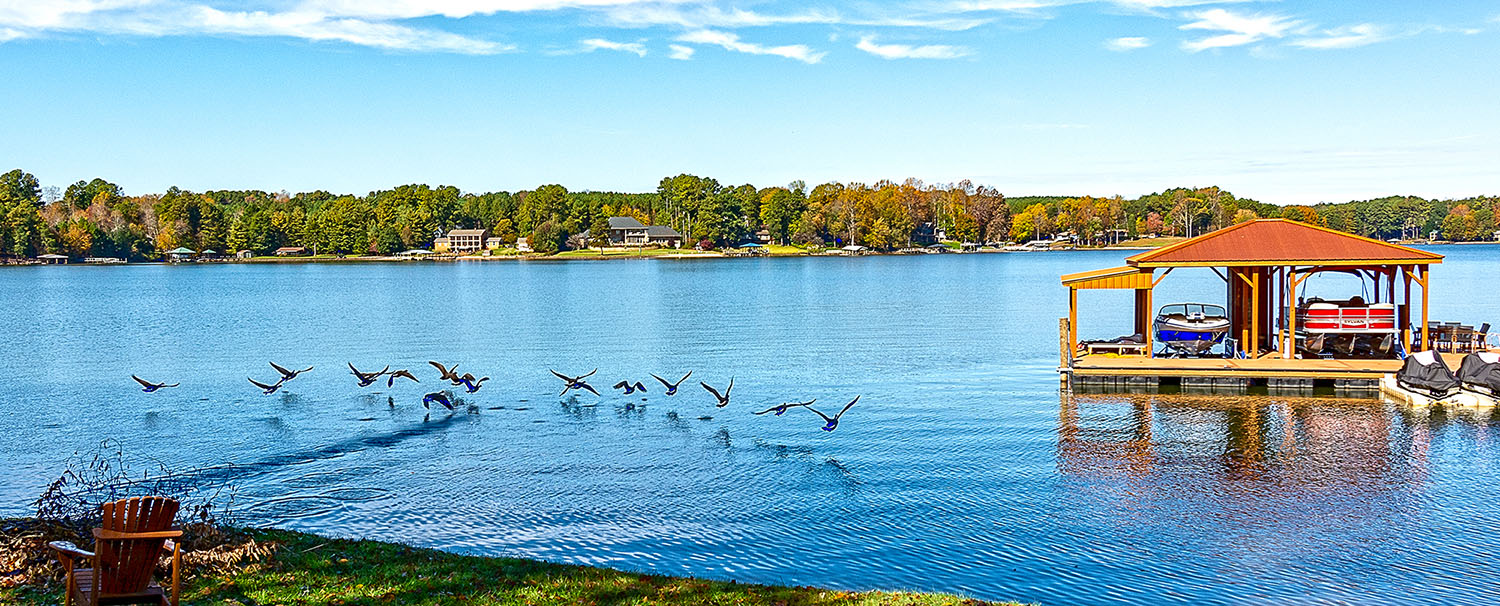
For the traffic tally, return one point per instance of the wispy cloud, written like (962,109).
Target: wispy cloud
(158,18)
(1239,28)
(731,41)
(593,44)
(907,51)
(1346,37)
(680,52)
(1126,44)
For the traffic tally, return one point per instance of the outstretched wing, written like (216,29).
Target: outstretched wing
(284,372)
(621,385)
(262,385)
(591,373)
(442,371)
(684,378)
(641,387)
(826,418)
(711,390)
(560,375)
(143,382)
(582,385)
(354,370)
(663,381)
(730,388)
(847,407)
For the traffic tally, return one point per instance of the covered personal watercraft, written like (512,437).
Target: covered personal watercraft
(1425,372)
(1480,373)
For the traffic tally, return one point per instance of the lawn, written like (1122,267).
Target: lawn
(307,569)
(594,253)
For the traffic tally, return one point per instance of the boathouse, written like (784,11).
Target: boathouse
(1264,265)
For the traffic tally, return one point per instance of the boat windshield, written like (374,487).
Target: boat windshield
(1192,309)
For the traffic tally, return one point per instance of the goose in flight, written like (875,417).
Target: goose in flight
(471,384)
(268,389)
(629,388)
(833,422)
(390,379)
(672,387)
(576,382)
(148,386)
(288,374)
(724,398)
(784,406)
(440,397)
(366,379)
(445,373)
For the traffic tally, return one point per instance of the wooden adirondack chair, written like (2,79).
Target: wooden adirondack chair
(126,549)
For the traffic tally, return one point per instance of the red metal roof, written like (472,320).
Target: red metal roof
(1281,242)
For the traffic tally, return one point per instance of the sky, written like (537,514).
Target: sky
(1282,101)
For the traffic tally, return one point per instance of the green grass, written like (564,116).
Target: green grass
(594,253)
(308,569)
(780,249)
(1150,242)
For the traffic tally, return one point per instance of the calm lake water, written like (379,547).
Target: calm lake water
(962,468)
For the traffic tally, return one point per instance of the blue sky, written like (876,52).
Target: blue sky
(1287,102)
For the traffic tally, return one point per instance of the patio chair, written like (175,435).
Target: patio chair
(1463,339)
(127,547)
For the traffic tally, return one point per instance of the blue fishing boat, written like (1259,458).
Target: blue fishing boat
(1191,328)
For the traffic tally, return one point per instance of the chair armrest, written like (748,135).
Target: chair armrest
(69,550)
(100,533)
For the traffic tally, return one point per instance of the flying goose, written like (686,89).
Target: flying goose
(267,389)
(784,406)
(723,399)
(470,383)
(148,386)
(288,374)
(833,423)
(444,373)
(440,397)
(576,382)
(629,388)
(390,379)
(672,387)
(366,379)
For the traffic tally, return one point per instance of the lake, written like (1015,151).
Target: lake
(961,469)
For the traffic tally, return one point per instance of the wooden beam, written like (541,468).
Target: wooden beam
(1254,317)
(1422,279)
(1072,319)
(1406,308)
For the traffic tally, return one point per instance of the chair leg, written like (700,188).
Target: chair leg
(176,571)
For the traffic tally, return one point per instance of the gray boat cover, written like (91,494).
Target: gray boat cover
(1481,370)
(1425,371)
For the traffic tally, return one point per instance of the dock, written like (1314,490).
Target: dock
(1269,344)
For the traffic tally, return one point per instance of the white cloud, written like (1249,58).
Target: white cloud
(1240,29)
(175,18)
(680,52)
(452,9)
(1346,37)
(907,51)
(1127,44)
(593,44)
(1035,6)
(732,42)
(707,16)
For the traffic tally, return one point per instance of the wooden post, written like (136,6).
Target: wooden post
(1291,317)
(1406,307)
(1150,330)
(1072,318)
(1254,350)
(1422,278)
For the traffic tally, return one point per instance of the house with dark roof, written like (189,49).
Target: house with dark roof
(626,231)
(663,235)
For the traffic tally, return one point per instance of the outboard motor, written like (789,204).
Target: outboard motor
(1426,372)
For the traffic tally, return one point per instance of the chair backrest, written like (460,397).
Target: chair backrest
(125,565)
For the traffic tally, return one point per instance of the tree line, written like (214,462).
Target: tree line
(97,218)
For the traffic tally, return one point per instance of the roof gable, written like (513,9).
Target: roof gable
(625,223)
(1280,242)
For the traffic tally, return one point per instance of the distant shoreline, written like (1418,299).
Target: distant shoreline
(581,255)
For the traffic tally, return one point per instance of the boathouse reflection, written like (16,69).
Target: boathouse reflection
(1287,440)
